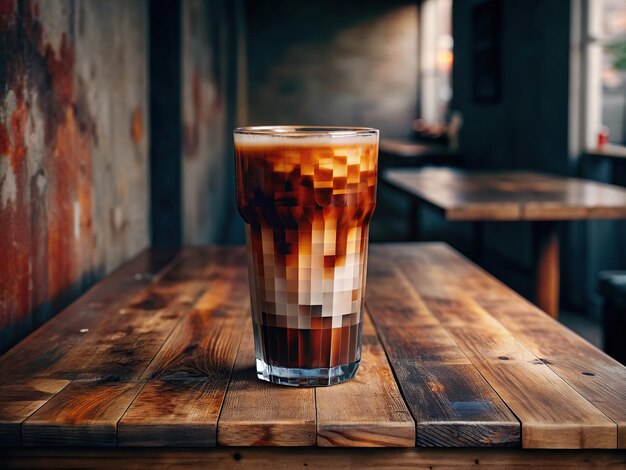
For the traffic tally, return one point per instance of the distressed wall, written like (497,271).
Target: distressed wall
(528,126)
(211,107)
(73,151)
(334,63)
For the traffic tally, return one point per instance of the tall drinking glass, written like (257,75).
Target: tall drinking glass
(307,195)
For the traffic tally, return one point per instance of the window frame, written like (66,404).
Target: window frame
(592,41)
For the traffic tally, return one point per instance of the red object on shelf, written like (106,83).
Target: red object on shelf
(603,137)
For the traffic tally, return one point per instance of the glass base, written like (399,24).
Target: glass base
(296,377)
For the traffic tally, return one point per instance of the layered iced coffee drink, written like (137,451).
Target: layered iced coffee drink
(307,196)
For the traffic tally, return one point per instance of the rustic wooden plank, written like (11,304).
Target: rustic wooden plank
(120,342)
(510,195)
(454,294)
(121,345)
(120,349)
(420,344)
(39,352)
(24,369)
(257,413)
(496,211)
(579,199)
(173,413)
(553,415)
(452,192)
(180,404)
(20,400)
(451,402)
(367,411)
(597,377)
(124,341)
(189,351)
(454,407)
(445,266)
(82,414)
(310,457)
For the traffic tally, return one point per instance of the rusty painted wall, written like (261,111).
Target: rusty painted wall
(339,63)
(73,151)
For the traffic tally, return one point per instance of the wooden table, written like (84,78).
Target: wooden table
(395,152)
(542,199)
(457,370)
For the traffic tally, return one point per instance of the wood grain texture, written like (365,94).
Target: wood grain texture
(594,375)
(307,457)
(460,344)
(173,413)
(123,342)
(187,379)
(454,407)
(589,371)
(257,413)
(115,349)
(511,195)
(38,354)
(20,400)
(25,370)
(119,349)
(451,402)
(367,411)
(190,352)
(552,413)
(82,414)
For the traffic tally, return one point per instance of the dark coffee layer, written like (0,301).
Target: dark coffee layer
(310,349)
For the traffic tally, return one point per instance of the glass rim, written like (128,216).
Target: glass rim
(306,131)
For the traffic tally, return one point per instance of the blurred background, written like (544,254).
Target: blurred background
(116,123)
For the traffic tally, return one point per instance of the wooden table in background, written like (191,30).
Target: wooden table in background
(533,197)
(394,153)
(158,358)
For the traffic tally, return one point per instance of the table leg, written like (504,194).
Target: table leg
(414,220)
(546,245)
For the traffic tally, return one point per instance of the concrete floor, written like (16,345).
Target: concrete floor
(588,328)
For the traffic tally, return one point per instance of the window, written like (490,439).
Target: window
(435,59)
(606,72)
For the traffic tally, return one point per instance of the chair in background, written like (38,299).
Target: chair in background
(612,287)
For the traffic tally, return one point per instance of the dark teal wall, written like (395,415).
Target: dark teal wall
(528,127)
